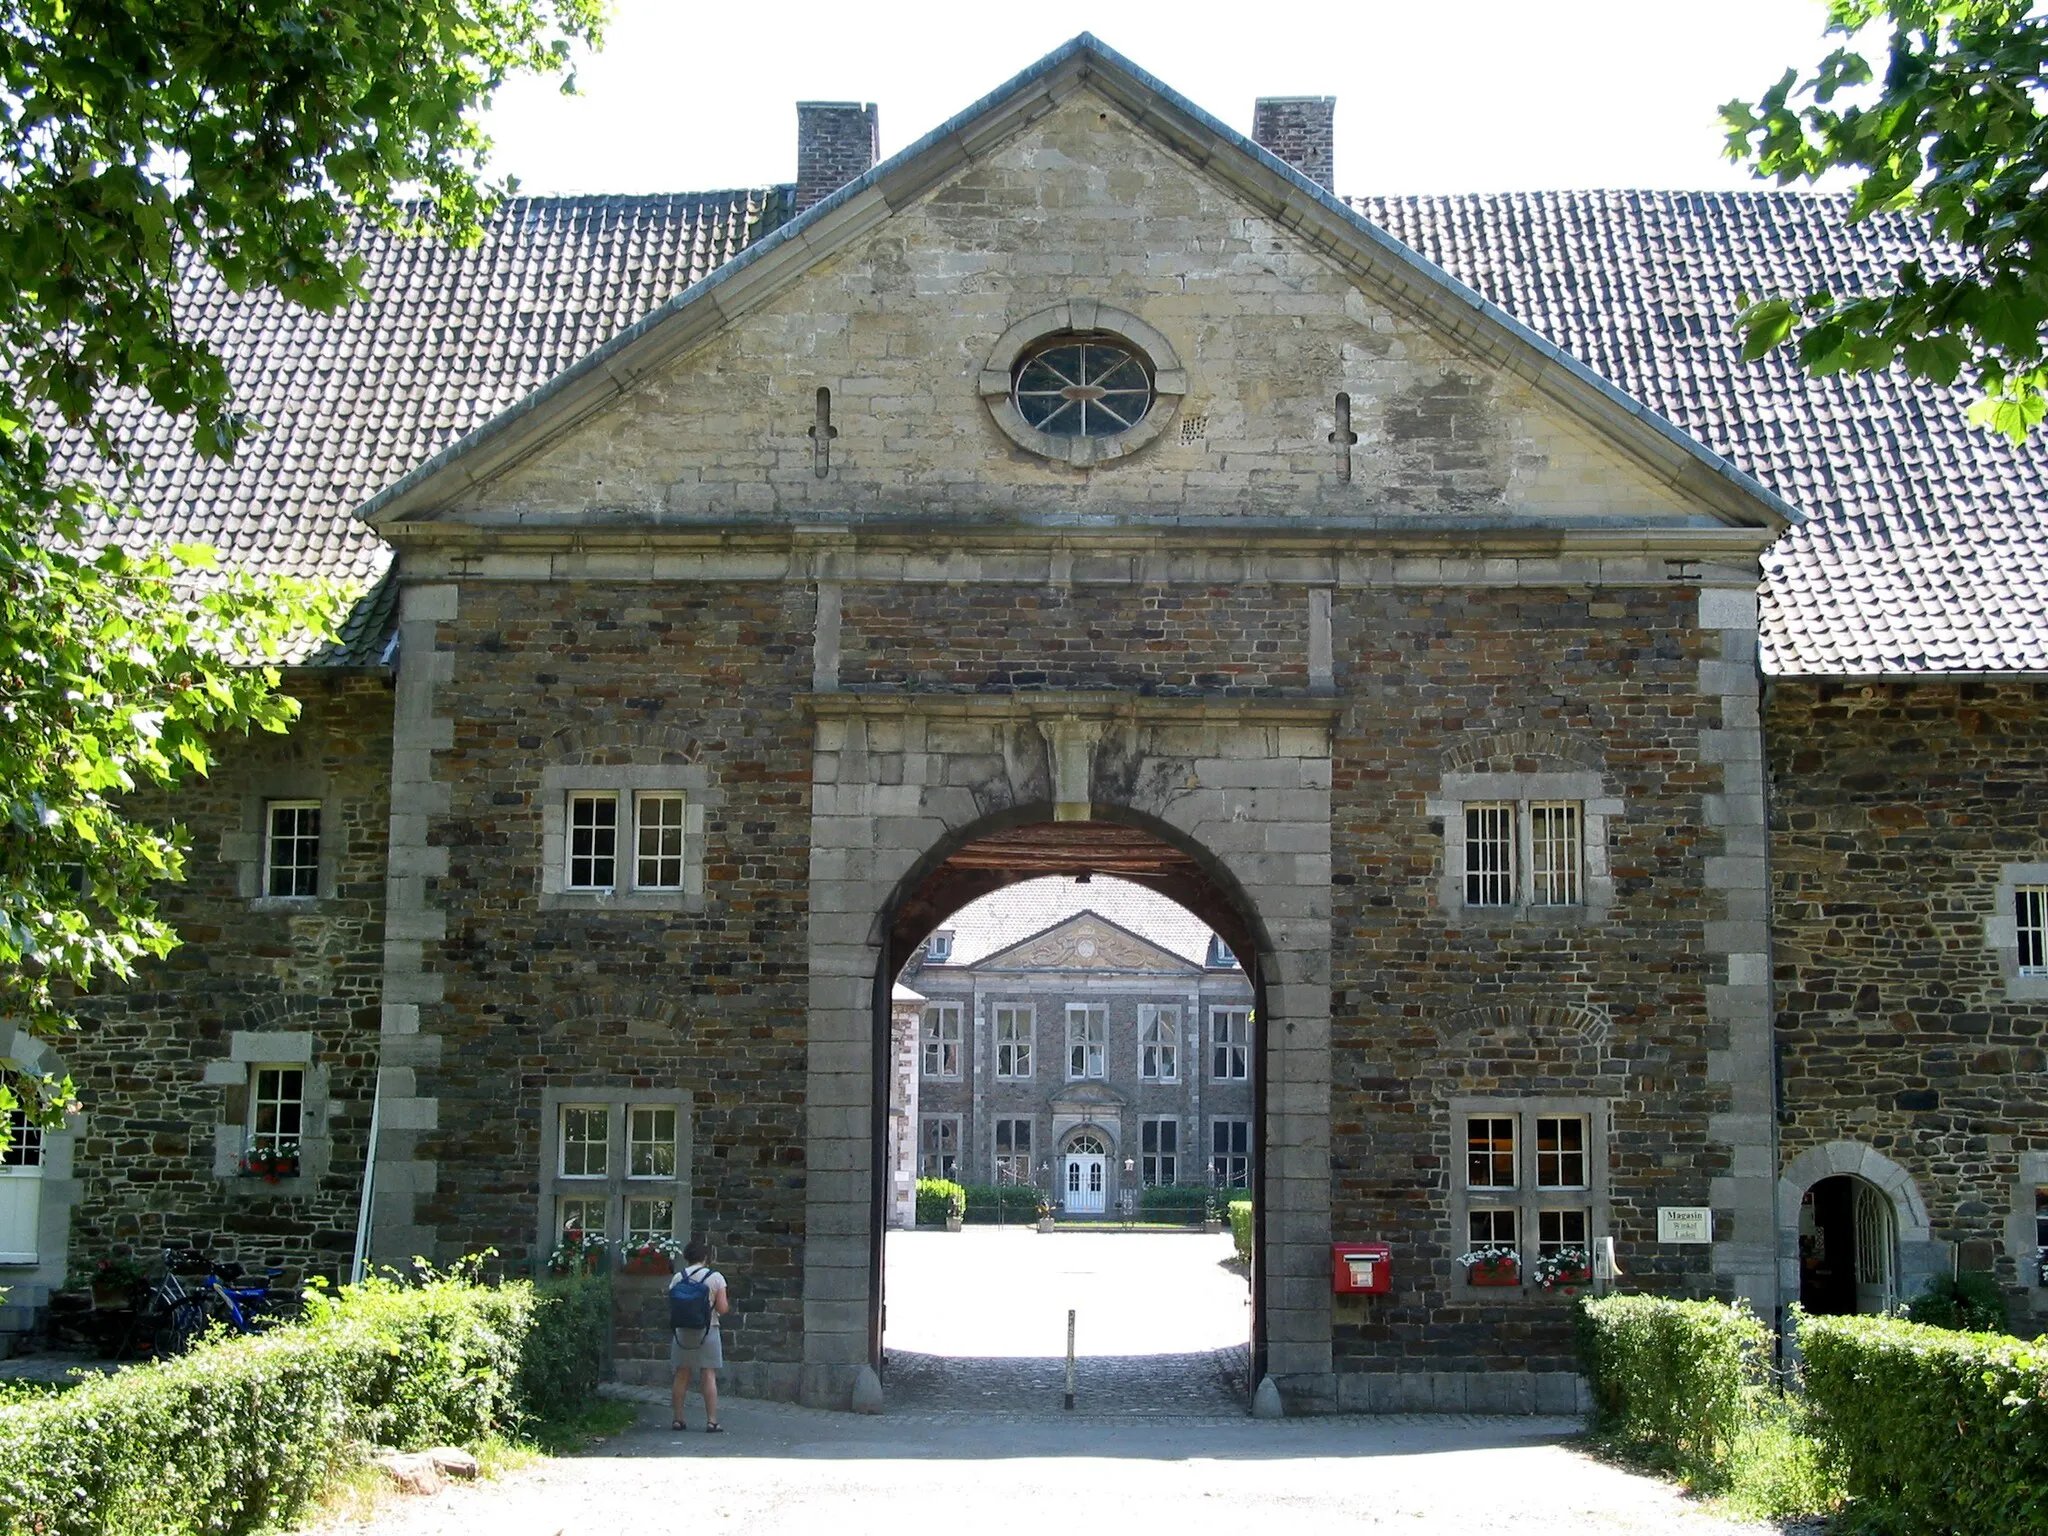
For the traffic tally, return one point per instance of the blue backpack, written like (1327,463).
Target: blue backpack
(689,1301)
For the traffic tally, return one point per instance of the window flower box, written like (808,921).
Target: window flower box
(271,1161)
(1566,1269)
(1492,1266)
(653,1256)
(578,1253)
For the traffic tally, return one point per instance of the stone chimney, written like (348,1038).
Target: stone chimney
(1297,129)
(836,142)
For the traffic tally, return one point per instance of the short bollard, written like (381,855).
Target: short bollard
(1070,1357)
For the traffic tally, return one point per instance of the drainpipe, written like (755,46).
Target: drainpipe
(362,1253)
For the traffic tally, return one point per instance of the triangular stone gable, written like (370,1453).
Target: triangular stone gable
(1087,941)
(894,310)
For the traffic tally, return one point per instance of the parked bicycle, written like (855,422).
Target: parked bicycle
(171,1315)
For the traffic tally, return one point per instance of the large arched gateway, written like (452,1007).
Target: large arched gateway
(921,802)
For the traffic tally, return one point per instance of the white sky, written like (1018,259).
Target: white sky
(1451,96)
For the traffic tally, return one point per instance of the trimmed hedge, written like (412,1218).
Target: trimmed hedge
(1669,1377)
(939,1198)
(993,1202)
(1932,1430)
(241,1433)
(1240,1214)
(1177,1202)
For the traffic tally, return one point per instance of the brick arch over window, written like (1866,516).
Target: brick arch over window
(1921,1257)
(1568,1022)
(584,746)
(1544,746)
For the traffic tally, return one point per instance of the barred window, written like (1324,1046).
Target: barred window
(277,1107)
(1159,1151)
(1159,1043)
(1013,1151)
(938,1147)
(942,1040)
(1230,1157)
(659,837)
(1554,853)
(291,849)
(1490,854)
(1490,1152)
(1013,1042)
(586,1141)
(2030,913)
(593,842)
(1087,1040)
(1560,1152)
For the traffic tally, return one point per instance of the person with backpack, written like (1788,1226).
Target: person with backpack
(696,1298)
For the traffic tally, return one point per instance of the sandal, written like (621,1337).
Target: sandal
(714,1429)
(677,1424)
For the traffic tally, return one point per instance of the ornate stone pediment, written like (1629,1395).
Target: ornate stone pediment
(1086,942)
(1086,1098)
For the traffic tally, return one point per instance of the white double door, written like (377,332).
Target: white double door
(1087,1183)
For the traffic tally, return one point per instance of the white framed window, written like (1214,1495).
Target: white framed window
(1554,844)
(650,1141)
(941,1040)
(593,841)
(1014,1026)
(277,1107)
(291,848)
(580,1215)
(938,1147)
(2040,1229)
(1013,1151)
(1561,1152)
(1230,1153)
(1557,1230)
(1491,1226)
(649,1216)
(25,1142)
(1230,1044)
(1087,1041)
(1159,1151)
(586,1141)
(658,841)
(1490,854)
(938,949)
(1490,1152)
(2030,927)
(1221,957)
(1159,1042)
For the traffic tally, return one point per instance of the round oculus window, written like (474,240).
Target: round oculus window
(1083,386)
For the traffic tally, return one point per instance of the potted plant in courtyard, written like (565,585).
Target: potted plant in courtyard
(578,1253)
(653,1256)
(117,1279)
(1568,1267)
(271,1161)
(1492,1265)
(1044,1215)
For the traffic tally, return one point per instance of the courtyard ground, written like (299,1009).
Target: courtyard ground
(977,1320)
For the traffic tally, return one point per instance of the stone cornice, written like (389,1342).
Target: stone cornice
(1146,708)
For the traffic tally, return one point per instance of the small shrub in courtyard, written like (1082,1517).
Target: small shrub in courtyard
(937,1199)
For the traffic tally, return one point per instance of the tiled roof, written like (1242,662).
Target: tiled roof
(444,340)
(1016,912)
(1926,548)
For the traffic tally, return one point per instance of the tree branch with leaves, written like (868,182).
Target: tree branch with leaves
(1951,131)
(141,140)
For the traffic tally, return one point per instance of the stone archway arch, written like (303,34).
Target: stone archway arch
(901,781)
(1921,1257)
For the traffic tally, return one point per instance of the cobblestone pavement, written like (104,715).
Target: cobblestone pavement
(779,1469)
(1202,1383)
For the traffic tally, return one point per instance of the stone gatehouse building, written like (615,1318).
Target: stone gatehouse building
(1087,1037)
(1621,770)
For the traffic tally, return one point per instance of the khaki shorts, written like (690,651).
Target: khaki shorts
(689,1350)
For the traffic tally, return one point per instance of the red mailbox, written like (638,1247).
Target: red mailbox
(1361,1269)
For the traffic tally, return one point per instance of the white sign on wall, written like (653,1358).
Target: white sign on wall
(1685,1224)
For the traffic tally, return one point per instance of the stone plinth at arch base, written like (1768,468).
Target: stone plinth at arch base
(1921,1255)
